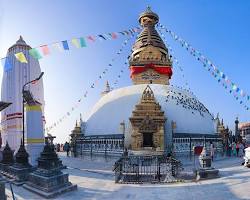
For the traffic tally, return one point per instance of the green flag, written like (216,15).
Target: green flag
(35,54)
(82,42)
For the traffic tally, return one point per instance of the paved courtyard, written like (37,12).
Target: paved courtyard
(95,181)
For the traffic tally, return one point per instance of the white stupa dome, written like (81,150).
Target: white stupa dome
(150,63)
(179,105)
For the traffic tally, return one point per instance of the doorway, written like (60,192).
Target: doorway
(147,140)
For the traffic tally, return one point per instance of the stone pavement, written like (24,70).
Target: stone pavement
(95,181)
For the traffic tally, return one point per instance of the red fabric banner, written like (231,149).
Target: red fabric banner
(167,70)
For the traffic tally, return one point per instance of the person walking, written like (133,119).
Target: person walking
(237,149)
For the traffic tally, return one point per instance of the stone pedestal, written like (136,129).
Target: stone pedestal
(206,171)
(20,173)
(2,189)
(48,180)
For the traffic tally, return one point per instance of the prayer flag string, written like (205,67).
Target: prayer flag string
(220,76)
(176,61)
(92,86)
(65,45)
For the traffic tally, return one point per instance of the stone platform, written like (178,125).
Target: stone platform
(2,189)
(202,174)
(19,173)
(4,168)
(49,187)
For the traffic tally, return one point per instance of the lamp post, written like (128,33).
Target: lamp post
(33,81)
(122,127)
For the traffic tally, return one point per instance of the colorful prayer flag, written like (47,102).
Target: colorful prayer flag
(102,37)
(126,32)
(82,42)
(21,57)
(75,42)
(45,50)
(114,35)
(35,53)
(7,65)
(65,45)
(122,33)
(57,46)
(234,86)
(91,38)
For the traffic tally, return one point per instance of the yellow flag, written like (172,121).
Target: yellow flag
(75,42)
(21,57)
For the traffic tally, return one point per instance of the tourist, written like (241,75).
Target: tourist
(229,149)
(61,148)
(237,149)
(212,150)
(66,148)
(241,150)
(58,147)
(234,149)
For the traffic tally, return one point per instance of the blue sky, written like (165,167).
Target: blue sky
(219,29)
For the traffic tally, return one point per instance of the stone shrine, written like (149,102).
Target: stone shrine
(21,168)
(147,123)
(7,160)
(48,180)
(206,171)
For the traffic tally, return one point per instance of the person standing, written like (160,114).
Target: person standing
(67,148)
(234,149)
(237,149)
(229,149)
(241,150)
(212,150)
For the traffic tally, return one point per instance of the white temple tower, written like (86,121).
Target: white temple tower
(12,83)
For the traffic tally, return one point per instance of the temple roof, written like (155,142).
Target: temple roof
(20,42)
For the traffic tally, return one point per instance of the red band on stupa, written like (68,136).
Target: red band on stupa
(167,70)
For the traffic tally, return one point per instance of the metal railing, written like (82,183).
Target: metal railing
(150,169)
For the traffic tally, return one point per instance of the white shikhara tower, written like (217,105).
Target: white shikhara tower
(12,83)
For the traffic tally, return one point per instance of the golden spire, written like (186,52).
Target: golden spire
(107,89)
(149,51)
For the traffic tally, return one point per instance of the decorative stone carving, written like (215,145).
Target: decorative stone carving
(147,123)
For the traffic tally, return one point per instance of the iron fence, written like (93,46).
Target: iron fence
(150,169)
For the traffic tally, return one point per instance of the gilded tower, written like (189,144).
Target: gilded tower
(150,61)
